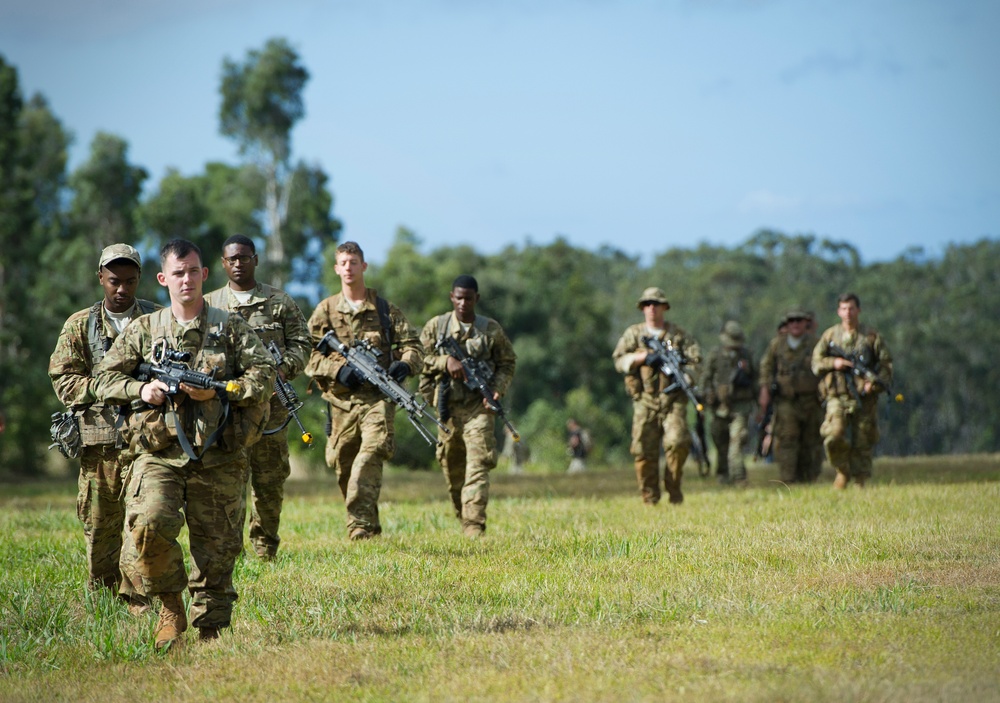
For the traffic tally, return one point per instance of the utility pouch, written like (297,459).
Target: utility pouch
(65,432)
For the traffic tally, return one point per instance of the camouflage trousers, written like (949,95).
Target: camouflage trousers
(269,468)
(161,495)
(730,434)
(100,506)
(467,456)
(360,442)
(850,431)
(657,420)
(798,447)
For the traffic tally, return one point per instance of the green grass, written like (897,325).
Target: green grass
(577,592)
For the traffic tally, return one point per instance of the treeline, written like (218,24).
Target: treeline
(563,307)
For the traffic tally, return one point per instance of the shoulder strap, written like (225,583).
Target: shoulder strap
(443,323)
(99,344)
(382,305)
(482,322)
(145,307)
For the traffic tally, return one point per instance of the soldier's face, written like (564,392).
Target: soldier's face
(183,278)
(464,301)
(119,281)
(350,268)
(239,263)
(796,327)
(848,313)
(653,313)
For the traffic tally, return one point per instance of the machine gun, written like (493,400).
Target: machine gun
(362,357)
(862,369)
(477,378)
(288,398)
(173,368)
(670,362)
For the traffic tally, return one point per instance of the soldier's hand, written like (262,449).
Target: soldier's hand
(198,393)
(839,363)
(455,369)
(154,392)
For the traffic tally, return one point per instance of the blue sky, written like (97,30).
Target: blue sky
(641,125)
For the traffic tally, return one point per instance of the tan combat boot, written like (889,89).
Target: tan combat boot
(172,622)
(840,483)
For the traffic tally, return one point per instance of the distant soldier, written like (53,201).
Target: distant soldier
(277,320)
(729,382)
(104,457)
(850,429)
(578,446)
(191,464)
(362,434)
(469,452)
(657,417)
(788,385)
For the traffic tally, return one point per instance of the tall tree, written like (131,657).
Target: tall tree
(261,102)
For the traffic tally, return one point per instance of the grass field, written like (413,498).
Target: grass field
(577,592)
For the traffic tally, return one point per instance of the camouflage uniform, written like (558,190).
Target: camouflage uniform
(469,453)
(362,432)
(850,428)
(104,460)
(729,383)
(656,416)
(276,318)
(167,485)
(797,409)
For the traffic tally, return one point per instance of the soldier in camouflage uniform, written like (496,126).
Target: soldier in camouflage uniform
(361,427)
(729,383)
(469,453)
(275,318)
(104,460)
(788,382)
(850,428)
(657,417)
(190,447)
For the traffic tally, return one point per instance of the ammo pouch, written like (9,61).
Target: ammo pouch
(149,430)
(249,422)
(65,434)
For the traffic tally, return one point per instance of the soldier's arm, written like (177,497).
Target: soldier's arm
(504,359)
(691,351)
(822,361)
(624,354)
(884,358)
(433,364)
(322,367)
(113,381)
(253,365)
(69,365)
(298,341)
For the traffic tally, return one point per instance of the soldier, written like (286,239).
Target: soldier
(729,383)
(361,434)
(191,461)
(790,387)
(657,417)
(850,428)
(104,459)
(469,453)
(276,319)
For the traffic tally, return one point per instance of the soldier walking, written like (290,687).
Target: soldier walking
(190,462)
(729,383)
(469,452)
(277,320)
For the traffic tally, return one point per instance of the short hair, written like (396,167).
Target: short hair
(351,248)
(465,281)
(179,248)
(848,297)
(240,239)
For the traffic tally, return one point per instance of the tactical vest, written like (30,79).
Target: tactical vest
(438,391)
(834,384)
(259,314)
(646,379)
(375,327)
(793,368)
(99,345)
(733,376)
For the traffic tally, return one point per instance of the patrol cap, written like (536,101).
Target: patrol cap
(797,314)
(653,295)
(120,251)
(732,334)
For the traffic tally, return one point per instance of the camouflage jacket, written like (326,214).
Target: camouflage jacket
(366,323)
(644,381)
(71,369)
(218,342)
(865,342)
(789,369)
(729,377)
(485,340)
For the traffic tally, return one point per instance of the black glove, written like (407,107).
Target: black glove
(653,359)
(347,376)
(399,370)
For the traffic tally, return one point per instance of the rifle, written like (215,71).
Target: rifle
(862,370)
(763,436)
(172,368)
(288,398)
(669,362)
(362,357)
(476,375)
